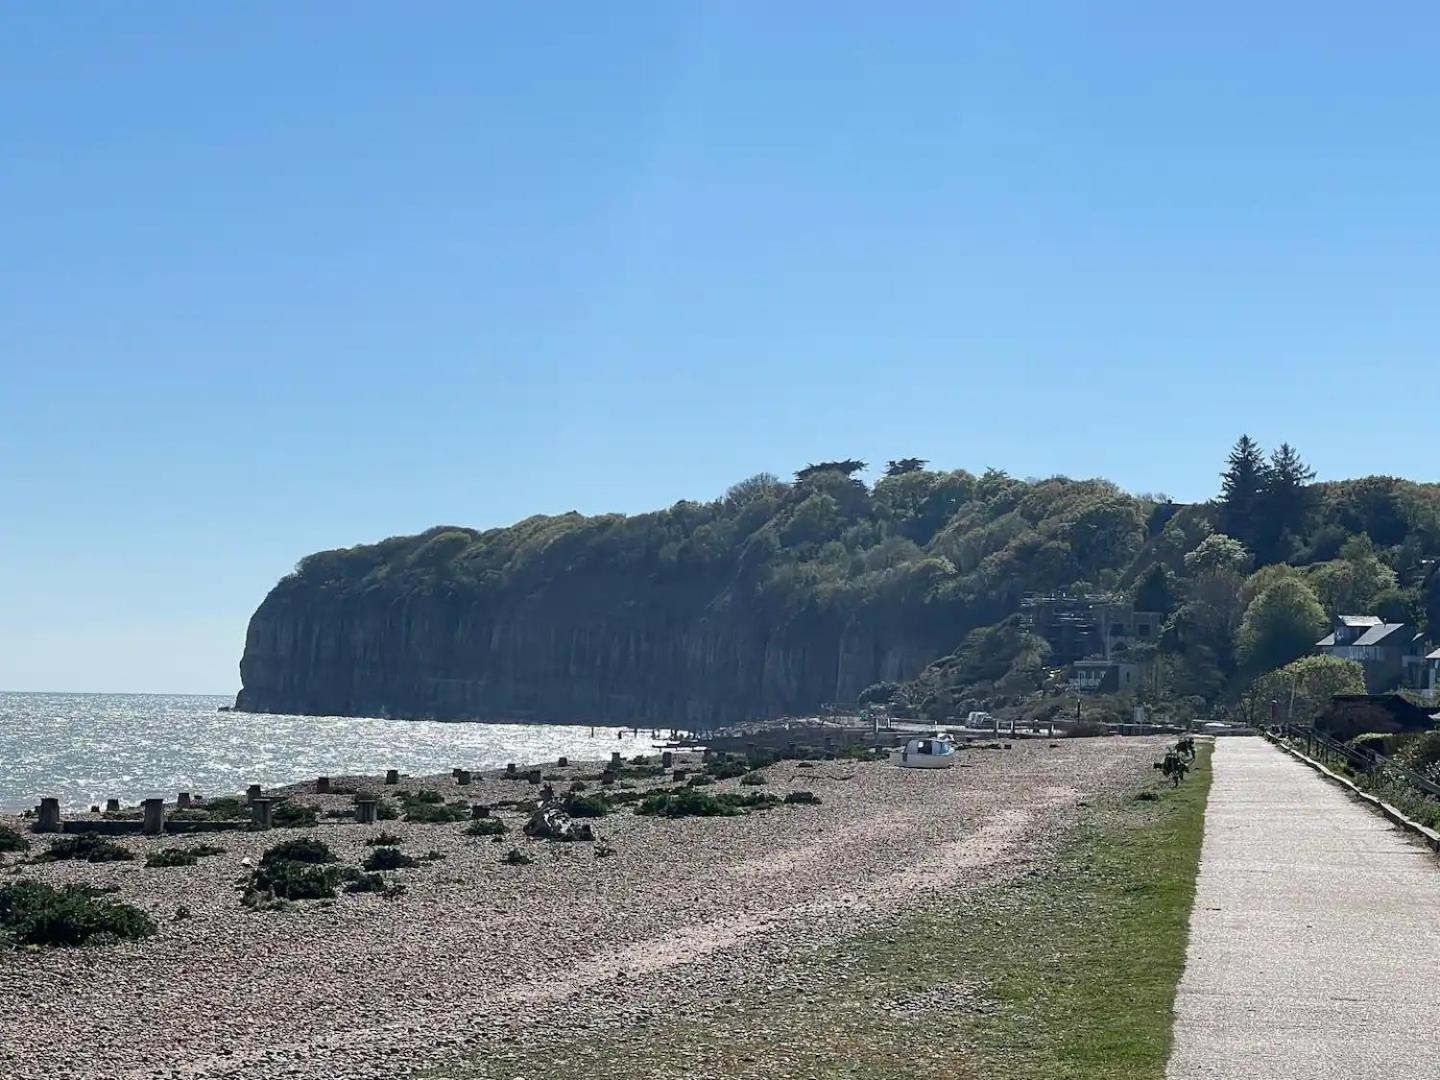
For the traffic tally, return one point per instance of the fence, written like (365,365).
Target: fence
(1370,762)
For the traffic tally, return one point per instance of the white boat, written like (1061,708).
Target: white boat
(932,752)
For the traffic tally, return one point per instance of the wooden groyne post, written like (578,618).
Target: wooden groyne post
(47,815)
(154,821)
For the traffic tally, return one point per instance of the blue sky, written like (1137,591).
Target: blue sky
(277,277)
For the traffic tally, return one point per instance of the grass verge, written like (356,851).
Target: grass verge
(1067,972)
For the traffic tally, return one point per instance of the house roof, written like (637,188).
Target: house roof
(1325,642)
(1379,634)
(1434,655)
(1359,620)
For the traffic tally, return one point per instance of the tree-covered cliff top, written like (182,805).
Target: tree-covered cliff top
(951,554)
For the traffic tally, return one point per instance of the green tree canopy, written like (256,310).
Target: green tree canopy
(1303,688)
(1281,624)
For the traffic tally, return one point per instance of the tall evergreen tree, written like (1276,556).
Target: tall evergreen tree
(1242,490)
(1286,503)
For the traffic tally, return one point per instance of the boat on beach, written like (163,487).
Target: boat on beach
(930,752)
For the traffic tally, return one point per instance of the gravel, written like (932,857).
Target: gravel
(477,955)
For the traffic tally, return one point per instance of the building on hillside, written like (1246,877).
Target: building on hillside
(1108,676)
(1086,626)
(1394,655)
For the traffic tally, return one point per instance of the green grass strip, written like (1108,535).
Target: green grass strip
(1069,971)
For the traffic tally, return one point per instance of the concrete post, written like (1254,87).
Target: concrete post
(322,785)
(182,801)
(48,816)
(365,810)
(478,811)
(252,793)
(112,806)
(154,823)
(462,777)
(260,813)
(392,776)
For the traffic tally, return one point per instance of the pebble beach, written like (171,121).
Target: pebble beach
(477,953)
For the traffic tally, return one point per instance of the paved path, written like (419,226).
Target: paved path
(1315,940)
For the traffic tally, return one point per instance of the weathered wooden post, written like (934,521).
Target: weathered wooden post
(154,822)
(322,785)
(392,776)
(462,777)
(533,776)
(182,801)
(510,768)
(48,815)
(681,774)
(260,813)
(667,759)
(365,810)
(95,808)
(478,811)
(252,793)
(615,758)
(562,762)
(112,806)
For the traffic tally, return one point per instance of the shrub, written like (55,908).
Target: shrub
(726,768)
(385,811)
(384,839)
(388,858)
(182,856)
(32,913)
(487,826)
(304,850)
(365,883)
(753,779)
(293,870)
(170,857)
(585,806)
(86,846)
(11,840)
(293,815)
(802,798)
(689,802)
(436,814)
(225,808)
(434,798)
(700,780)
(516,857)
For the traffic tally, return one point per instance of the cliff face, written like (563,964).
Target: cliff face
(772,600)
(454,658)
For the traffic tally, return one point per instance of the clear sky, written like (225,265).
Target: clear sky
(277,277)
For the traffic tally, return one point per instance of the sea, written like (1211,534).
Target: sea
(86,748)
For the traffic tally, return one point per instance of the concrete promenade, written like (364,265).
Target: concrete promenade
(1315,940)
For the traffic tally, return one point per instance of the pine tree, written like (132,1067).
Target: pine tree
(1286,502)
(1242,490)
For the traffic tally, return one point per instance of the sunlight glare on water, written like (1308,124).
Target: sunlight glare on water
(85,748)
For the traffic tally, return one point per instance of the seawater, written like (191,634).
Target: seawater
(85,748)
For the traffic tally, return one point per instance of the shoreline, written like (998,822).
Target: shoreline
(476,953)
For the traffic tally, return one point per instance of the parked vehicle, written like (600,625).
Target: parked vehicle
(931,752)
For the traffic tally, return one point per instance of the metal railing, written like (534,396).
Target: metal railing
(1371,762)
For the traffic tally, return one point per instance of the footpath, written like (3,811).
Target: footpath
(1315,938)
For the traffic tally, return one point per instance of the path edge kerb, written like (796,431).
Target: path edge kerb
(1430,836)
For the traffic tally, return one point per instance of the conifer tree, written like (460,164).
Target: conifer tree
(1242,490)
